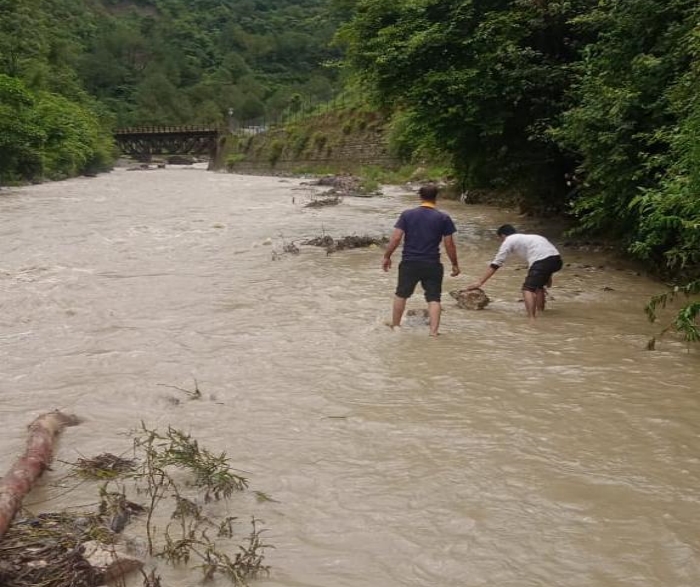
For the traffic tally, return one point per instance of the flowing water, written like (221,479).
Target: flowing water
(496,455)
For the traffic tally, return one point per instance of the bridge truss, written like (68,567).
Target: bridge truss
(144,142)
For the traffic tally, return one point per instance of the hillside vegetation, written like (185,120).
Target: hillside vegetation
(585,107)
(185,61)
(72,70)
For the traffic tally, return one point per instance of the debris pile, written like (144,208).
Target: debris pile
(326,199)
(62,549)
(343,185)
(348,242)
(87,548)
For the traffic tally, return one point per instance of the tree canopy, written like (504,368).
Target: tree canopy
(584,106)
(72,70)
(483,81)
(176,61)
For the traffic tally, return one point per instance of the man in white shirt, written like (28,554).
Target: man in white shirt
(543,261)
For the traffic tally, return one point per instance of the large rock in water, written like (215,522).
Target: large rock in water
(470,299)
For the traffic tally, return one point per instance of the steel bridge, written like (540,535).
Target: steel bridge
(143,142)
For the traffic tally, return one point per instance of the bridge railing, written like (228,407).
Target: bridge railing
(305,108)
(166,129)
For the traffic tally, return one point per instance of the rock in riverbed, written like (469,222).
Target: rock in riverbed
(470,299)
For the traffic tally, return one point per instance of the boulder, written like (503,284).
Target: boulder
(470,299)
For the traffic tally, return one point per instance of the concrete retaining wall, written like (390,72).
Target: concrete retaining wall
(278,151)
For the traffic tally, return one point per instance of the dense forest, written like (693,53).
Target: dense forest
(589,108)
(71,70)
(585,106)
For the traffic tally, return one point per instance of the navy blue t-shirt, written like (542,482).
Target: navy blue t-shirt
(424,227)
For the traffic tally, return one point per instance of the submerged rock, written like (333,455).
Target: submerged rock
(416,318)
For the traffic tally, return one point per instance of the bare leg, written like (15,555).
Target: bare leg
(530,298)
(542,295)
(397,312)
(434,311)
(540,299)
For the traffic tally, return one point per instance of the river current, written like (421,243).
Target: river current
(499,454)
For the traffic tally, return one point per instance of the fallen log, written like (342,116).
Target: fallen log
(37,456)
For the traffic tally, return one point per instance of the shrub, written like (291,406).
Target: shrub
(234,158)
(299,143)
(319,140)
(276,150)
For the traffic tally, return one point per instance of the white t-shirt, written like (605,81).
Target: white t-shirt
(529,247)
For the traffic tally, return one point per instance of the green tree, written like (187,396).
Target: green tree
(73,140)
(484,80)
(230,50)
(668,234)
(159,102)
(21,41)
(624,120)
(20,135)
(251,108)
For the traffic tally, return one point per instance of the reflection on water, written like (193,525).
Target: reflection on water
(499,454)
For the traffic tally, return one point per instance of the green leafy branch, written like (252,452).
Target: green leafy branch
(686,320)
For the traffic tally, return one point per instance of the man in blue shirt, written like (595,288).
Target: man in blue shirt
(422,229)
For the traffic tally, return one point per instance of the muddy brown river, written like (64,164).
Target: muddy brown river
(497,455)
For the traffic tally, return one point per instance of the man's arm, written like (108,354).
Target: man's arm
(503,252)
(451,251)
(489,272)
(394,242)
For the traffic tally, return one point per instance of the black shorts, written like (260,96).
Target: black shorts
(541,272)
(429,274)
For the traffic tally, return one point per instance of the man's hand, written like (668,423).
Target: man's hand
(455,270)
(476,285)
(394,242)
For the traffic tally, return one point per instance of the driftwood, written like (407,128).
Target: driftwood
(19,481)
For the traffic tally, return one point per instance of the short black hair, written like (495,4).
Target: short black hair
(506,230)
(428,192)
